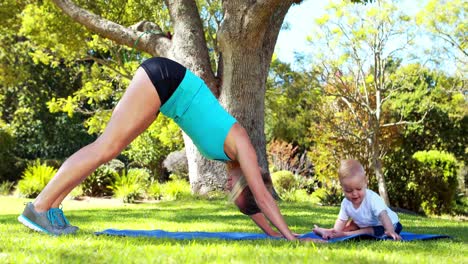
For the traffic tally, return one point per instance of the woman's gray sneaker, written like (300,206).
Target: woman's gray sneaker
(48,222)
(62,220)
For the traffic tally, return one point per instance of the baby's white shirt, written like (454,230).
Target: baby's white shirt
(367,214)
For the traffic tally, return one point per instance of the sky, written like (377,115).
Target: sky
(301,20)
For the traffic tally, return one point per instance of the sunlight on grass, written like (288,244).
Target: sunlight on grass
(19,245)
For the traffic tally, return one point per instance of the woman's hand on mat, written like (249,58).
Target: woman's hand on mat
(393,235)
(278,234)
(275,234)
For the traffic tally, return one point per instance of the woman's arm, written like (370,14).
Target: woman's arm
(240,145)
(263,223)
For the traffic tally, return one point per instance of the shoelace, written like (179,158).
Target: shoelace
(56,217)
(63,215)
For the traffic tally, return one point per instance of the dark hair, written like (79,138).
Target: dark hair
(246,201)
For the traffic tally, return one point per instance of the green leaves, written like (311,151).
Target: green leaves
(290,104)
(445,21)
(130,186)
(151,147)
(35,178)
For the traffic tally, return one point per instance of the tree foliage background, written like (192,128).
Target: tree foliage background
(59,83)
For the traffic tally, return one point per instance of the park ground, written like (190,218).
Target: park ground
(20,245)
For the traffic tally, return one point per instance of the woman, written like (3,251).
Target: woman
(162,85)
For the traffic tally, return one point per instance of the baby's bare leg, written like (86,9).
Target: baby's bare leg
(350,226)
(325,233)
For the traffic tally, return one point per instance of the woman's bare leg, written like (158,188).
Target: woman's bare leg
(136,110)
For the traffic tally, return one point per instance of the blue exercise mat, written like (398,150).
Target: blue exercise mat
(251,236)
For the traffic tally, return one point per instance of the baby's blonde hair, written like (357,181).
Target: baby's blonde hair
(350,168)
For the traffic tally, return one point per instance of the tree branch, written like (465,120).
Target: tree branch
(448,38)
(260,11)
(106,64)
(405,122)
(153,44)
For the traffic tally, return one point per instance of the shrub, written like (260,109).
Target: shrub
(295,195)
(435,181)
(176,189)
(284,180)
(150,148)
(286,156)
(461,205)
(130,186)
(7,166)
(291,187)
(328,196)
(97,184)
(76,192)
(176,163)
(116,165)
(6,187)
(155,191)
(35,178)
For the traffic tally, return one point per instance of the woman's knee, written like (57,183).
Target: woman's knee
(106,151)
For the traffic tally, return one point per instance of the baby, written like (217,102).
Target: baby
(362,211)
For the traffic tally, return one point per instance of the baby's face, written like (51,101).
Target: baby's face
(354,189)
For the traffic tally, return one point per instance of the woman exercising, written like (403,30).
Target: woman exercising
(164,85)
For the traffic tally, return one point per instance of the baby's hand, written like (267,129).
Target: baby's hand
(393,235)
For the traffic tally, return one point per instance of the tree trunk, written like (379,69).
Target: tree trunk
(247,38)
(379,72)
(380,179)
(377,164)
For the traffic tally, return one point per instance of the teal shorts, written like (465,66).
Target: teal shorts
(198,113)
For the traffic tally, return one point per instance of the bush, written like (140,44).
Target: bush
(461,205)
(155,191)
(76,192)
(116,165)
(35,178)
(176,163)
(150,148)
(435,181)
(176,189)
(295,196)
(285,156)
(6,187)
(331,196)
(284,181)
(291,187)
(97,184)
(8,170)
(130,186)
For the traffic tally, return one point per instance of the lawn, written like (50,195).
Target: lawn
(19,245)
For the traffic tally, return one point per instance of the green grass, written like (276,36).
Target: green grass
(19,245)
